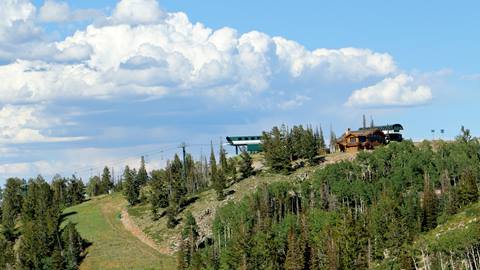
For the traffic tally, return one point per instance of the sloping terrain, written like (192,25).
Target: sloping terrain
(204,205)
(127,238)
(453,241)
(113,246)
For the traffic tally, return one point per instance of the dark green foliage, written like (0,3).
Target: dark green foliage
(12,204)
(75,191)
(217,176)
(246,167)
(100,185)
(276,149)
(190,229)
(171,213)
(42,245)
(294,259)
(223,159)
(73,246)
(94,187)
(7,255)
(31,237)
(131,189)
(320,140)
(188,247)
(282,146)
(159,191)
(468,189)
(176,182)
(429,201)
(142,175)
(360,214)
(59,187)
(106,183)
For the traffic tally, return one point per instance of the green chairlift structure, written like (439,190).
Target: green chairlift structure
(253,144)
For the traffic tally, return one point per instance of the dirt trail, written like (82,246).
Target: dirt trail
(130,226)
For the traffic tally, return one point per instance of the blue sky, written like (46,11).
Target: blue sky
(93,83)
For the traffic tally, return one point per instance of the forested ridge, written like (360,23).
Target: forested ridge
(32,233)
(375,212)
(403,206)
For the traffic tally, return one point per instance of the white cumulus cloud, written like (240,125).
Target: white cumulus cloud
(54,11)
(24,124)
(137,12)
(395,91)
(167,54)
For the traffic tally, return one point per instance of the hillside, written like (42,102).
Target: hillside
(204,205)
(401,206)
(452,241)
(127,238)
(113,247)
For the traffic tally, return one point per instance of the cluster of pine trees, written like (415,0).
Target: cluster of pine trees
(361,214)
(282,145)
(100,185)
(32,235)
(170,189)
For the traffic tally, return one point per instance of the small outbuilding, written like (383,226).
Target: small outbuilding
(364,139)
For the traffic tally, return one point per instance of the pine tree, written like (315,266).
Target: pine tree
(106,183)
(223,159)
(7,254)
(333,141)
(73,246)
(430,212)
(189,239)
(246,164)
(216,176)
(131,189)
(321,142)
(59,188)
(467,190)
(177,185)
(40,226)
(294,259)
(159,191)
(171,212)
(309,145)
(190,229)
(142,175)
(75,191)
(11,205)
(278,149)
(94,187)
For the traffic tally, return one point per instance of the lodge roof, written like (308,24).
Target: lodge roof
(360,132)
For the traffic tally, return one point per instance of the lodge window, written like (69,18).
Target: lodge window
(353,140)
(362,139)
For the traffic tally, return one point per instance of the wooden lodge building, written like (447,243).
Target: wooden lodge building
(365,139)
(369,138)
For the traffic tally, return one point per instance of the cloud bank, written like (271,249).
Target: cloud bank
(142,50)
(397,91)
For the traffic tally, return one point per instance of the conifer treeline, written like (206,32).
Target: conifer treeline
(282,145)
(361,214)
(168,190)
(32,236)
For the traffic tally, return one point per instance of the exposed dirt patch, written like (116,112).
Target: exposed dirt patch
(130,226)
